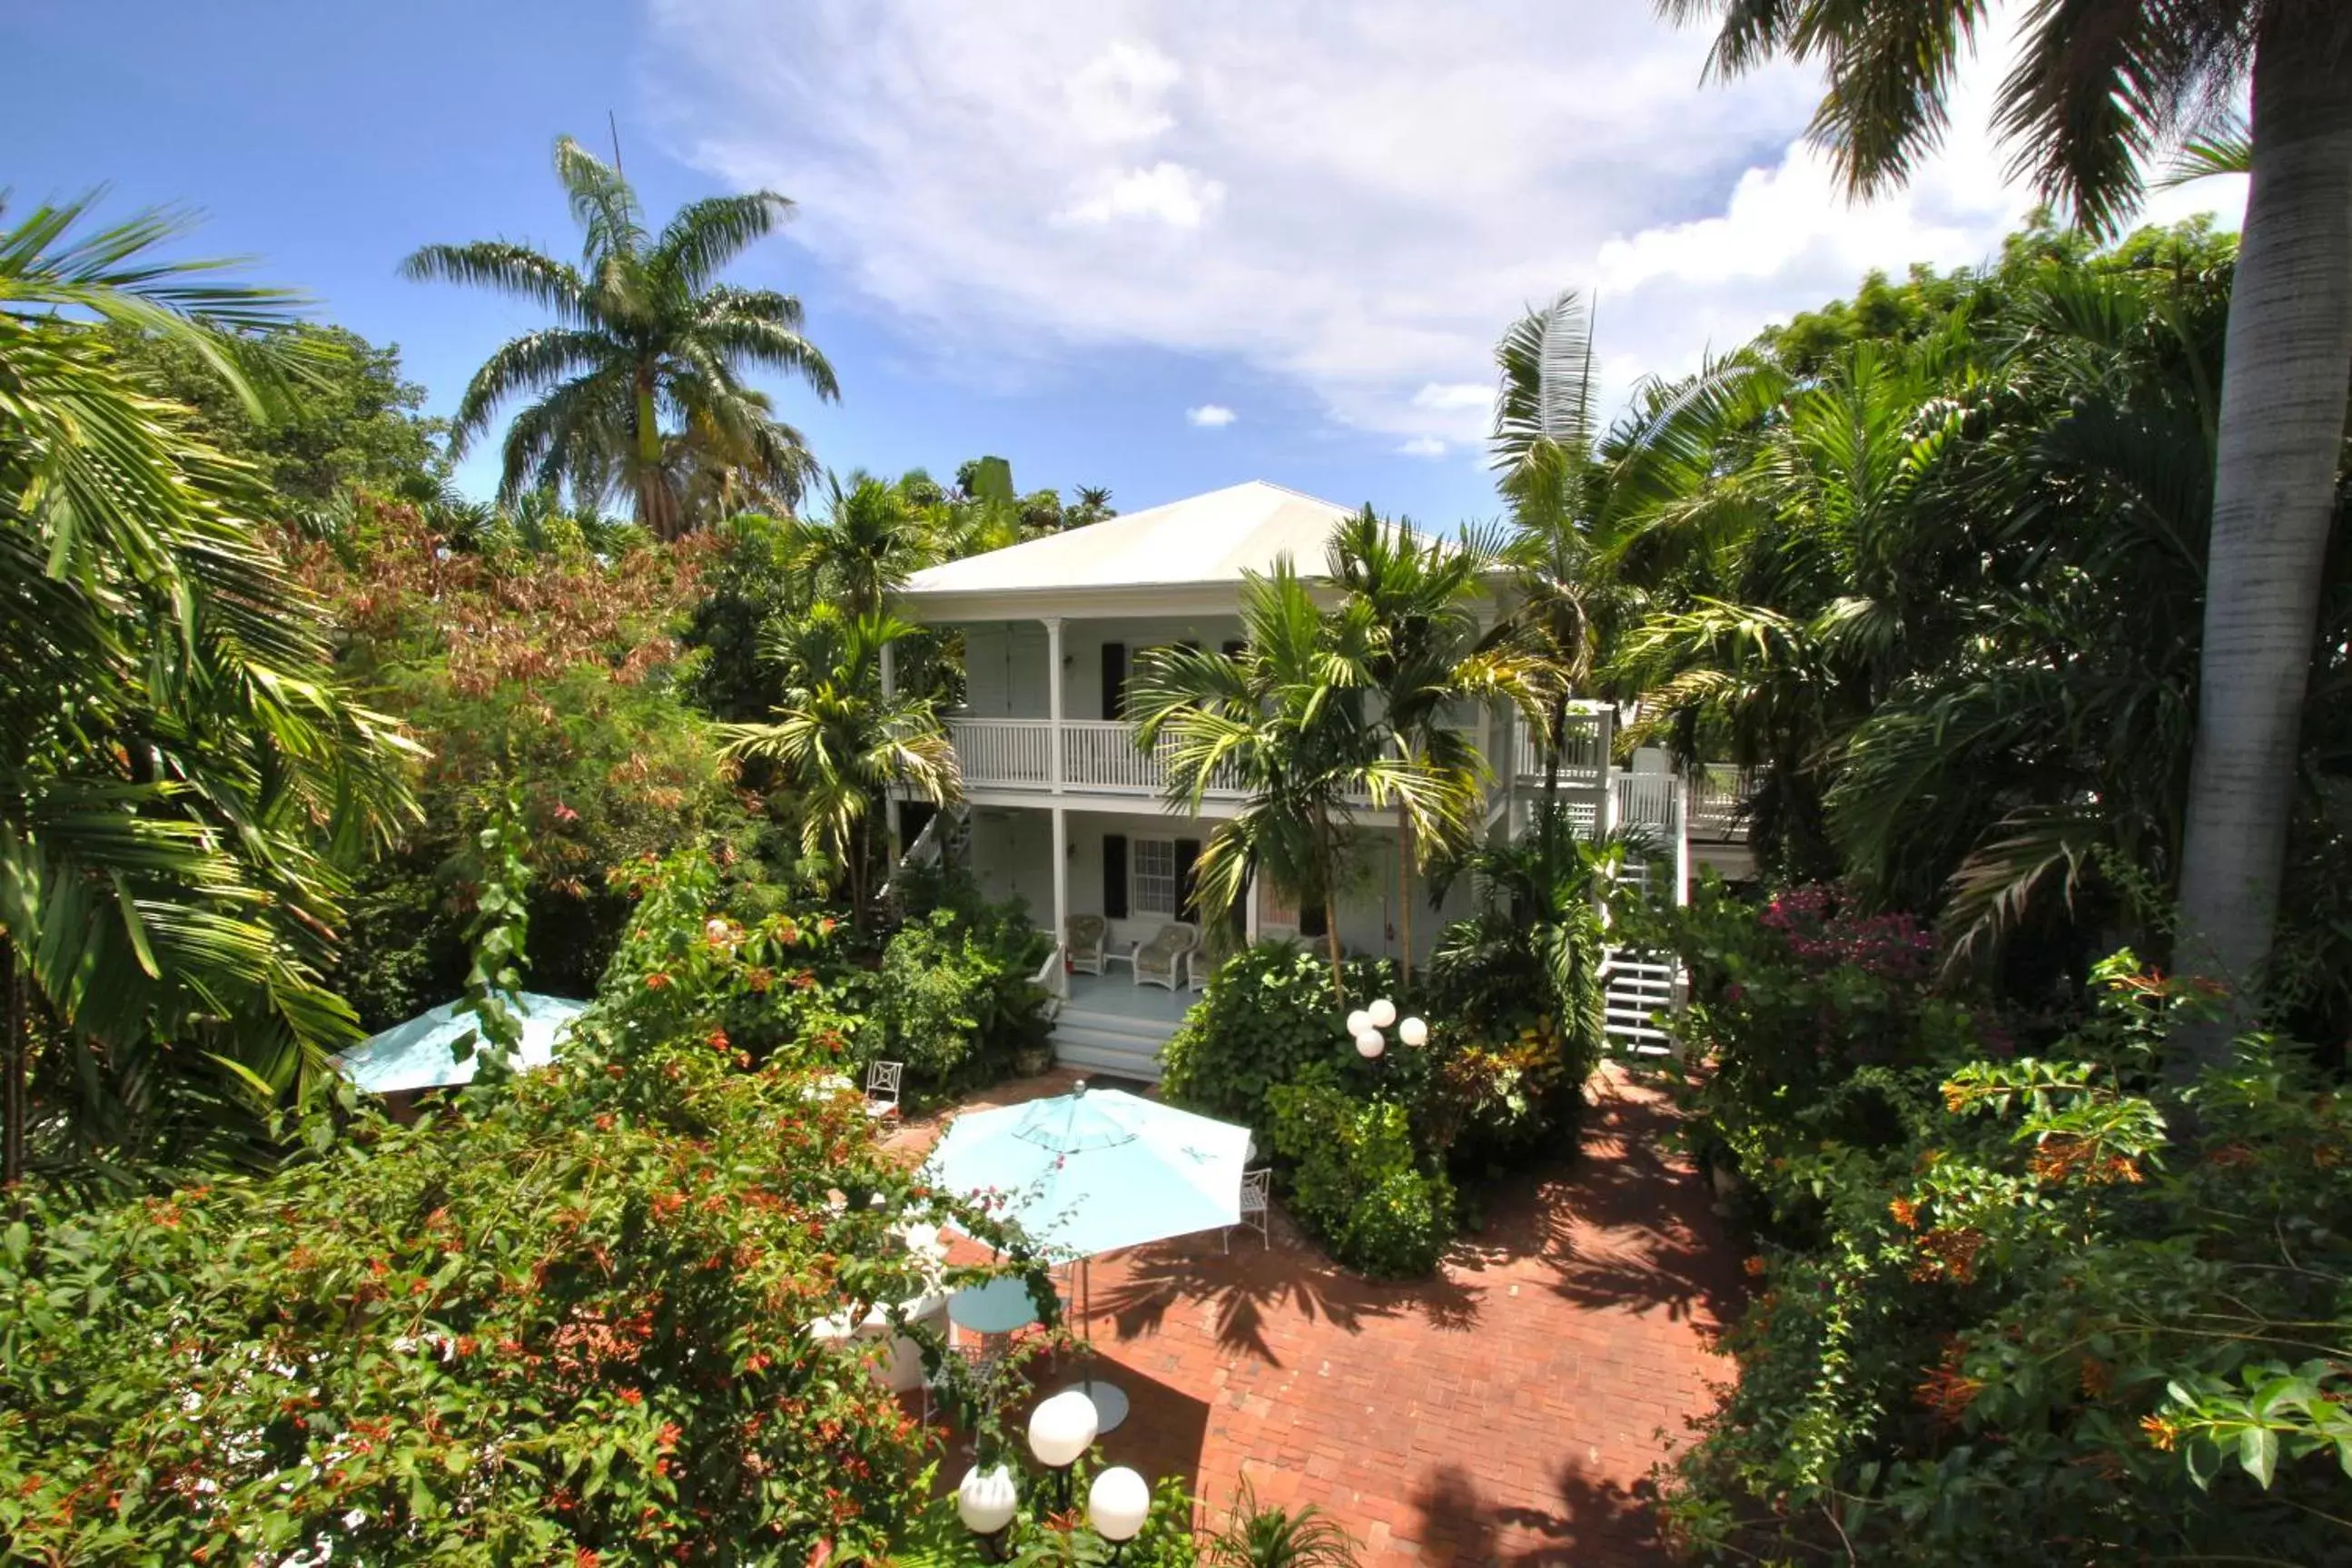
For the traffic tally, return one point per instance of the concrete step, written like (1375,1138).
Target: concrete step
(1110,1042)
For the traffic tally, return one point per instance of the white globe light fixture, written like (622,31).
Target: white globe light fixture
(1369,1044)
(987,1500)
(1414,1032)
(1381,1013)
(1061,1427)
(1359,1022)
(1118,1505)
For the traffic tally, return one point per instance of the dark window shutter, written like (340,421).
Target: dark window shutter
(1311,922)
(1232,647)
(1115,876)
(1188,903)
(1114,686)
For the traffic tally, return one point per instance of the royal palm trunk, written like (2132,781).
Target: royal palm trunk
(2280,440)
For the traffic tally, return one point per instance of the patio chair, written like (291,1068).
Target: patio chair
(1254,1202)
(1054,981)
(1161,961)
(882,1088)
(985,1366)
(1083,939)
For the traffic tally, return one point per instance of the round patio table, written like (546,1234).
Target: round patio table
(998,1307)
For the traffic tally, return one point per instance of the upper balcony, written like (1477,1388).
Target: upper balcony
(1099,756)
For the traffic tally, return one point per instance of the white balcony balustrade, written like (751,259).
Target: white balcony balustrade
(1099,756)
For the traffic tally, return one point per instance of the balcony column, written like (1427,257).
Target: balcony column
(1054,712)
(1249,908)
(1061,877)
(890,672)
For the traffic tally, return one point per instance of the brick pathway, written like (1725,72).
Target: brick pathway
(1502,1413)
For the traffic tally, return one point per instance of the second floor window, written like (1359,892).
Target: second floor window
(1153,877)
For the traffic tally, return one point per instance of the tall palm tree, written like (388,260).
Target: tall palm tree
(177,763)
(1419,597)
(643,332)
(2098,88)
(842,744)
(1287,716)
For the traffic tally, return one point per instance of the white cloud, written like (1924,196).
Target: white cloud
(1421,446)
(1169,193)
(1210,416)
(1354,201)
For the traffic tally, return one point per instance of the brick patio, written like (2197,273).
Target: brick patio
(1502,1413)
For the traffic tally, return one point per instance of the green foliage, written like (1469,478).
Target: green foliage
(1266,1017)
(952,998)
(934,1537)
(349,421)
(1356,1180)
(182,772)
(565,1326)
(495,936)
(1271,1537)
(2047,1308)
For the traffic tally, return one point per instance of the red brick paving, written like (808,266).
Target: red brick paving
(1501,1413)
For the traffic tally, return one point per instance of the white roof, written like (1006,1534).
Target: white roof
(1203,541)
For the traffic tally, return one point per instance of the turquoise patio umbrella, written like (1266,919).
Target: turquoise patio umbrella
(419,1054)
(1098,1170)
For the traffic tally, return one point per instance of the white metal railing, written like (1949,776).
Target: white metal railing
(1004,750)
(1645,800)
(1098,754)
(1101,753)
(1718,800)
(1584,748)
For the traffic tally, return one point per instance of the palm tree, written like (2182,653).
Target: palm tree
(178,762)
(1420,598)
(2095,93)
(866,543)
(643,331)
(842,744)
(1286,717)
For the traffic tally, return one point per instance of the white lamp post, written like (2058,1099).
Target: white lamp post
(1381,1013)
(1118,1505)
(1414,1032)
(986,1501)
(1060,1429)
(1369,1044)
(1368,1026)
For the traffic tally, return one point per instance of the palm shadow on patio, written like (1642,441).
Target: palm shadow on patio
(1595,1524)
(1253,1282)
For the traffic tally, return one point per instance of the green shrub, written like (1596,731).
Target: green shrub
(2041,1308)
(952,999)
(1357,1181)
(562,1324)
(1267,1015)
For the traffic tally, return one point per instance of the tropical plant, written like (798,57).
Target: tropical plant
(179,766)
(2084,119)
(1426,665)
(841,744)
(1287,720)
(1263,1536)
(574,1322)
(863,546)
(645,333)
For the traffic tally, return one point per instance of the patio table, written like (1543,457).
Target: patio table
(994,1308)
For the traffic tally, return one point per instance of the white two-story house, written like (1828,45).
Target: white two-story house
(1064,810)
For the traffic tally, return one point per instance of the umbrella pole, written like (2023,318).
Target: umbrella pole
(1109,1400)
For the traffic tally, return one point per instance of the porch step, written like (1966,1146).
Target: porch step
(1638,988)
(1108,1042)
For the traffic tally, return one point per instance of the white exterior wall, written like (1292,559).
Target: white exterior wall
(1004,661)
(1004,669)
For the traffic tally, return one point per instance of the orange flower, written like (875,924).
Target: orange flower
(1754,1264)
(2160,1432)
(631,1397)
(1905,1212)
(656,980)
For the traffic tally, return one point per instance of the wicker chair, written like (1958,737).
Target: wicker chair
(1082,940)
(1161,961)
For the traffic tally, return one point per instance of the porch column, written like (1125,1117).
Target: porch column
(1682,839)
(1061,874)
(890,672)
(1054,712)
(1249,908)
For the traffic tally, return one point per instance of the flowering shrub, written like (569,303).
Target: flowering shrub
(568,1326)
(2036,1310)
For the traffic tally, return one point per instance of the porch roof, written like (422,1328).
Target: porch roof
(1203,541)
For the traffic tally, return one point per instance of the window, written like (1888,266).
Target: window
(1152,871)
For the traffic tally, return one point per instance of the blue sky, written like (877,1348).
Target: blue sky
(1053,231)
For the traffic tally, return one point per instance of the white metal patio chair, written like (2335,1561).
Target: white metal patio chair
(1254,1192)
(1161,961)
(882,1088)
(1084,939)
